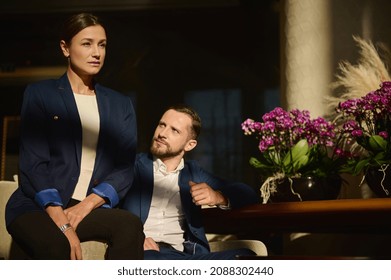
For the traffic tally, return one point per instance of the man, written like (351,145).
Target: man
(168,192)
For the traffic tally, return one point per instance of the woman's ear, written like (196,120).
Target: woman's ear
(64,48)
(190,145)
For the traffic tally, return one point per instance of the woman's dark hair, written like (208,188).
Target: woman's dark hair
(75,24)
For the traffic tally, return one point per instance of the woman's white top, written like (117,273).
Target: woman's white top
(90,121)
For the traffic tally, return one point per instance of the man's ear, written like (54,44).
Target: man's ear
(190,145)
(64,48)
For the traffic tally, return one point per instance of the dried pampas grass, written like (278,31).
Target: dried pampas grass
(355,81)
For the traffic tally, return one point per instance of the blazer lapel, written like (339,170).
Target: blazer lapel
(187,205)
(145,169)
(74,119)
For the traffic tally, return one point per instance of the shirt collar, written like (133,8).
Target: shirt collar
(159,166)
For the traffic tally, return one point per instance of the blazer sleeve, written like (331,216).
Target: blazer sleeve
(120,147)
(34,155)
(239,194)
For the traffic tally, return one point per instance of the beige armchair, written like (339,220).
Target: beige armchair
(92,250)
(257,246)
(6,189)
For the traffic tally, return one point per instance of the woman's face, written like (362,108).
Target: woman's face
(87,50)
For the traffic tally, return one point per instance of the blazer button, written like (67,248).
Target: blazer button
(95,182)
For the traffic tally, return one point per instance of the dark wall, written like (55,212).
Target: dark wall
(158,55)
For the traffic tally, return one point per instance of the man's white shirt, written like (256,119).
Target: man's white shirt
(166,219)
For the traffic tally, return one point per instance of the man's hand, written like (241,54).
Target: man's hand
(203,194)
(150,244)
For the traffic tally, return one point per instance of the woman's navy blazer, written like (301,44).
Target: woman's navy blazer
(51,143)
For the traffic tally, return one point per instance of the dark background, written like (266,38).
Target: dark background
(219,58)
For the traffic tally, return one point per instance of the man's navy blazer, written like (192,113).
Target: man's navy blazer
(51,144)
(138,199)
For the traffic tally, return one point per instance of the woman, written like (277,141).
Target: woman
(77,150)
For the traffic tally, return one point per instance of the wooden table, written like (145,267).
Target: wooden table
(326,216)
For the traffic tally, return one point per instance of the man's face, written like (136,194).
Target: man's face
(172,135)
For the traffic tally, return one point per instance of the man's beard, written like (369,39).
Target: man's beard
(164,153)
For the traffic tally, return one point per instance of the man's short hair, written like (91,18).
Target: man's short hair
(196,120)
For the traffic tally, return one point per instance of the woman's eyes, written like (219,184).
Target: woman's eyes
(88,44)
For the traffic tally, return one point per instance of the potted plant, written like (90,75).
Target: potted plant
(292,147)
(366,129)
(360,110)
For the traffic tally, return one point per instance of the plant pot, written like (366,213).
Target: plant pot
(307,188)
(379,181)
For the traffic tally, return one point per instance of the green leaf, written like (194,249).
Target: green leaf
(258,164)
(255,162)
(360,166)
(377,143)
(297,151)
(380,156)
(300,162)
(274,156)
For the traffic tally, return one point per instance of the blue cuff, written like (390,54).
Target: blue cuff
(107,191)
(48,196)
